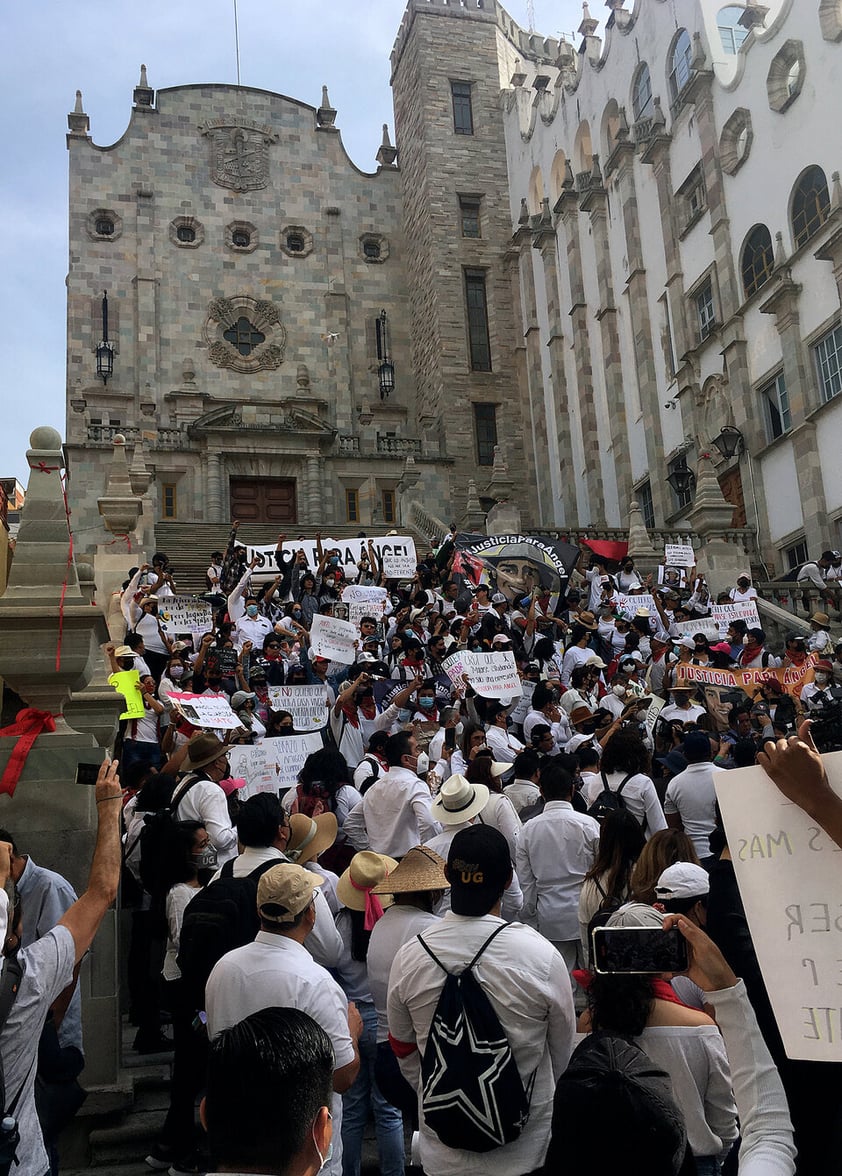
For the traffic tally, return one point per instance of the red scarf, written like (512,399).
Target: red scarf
(749,653)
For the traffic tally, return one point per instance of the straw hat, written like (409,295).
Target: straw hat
(367,870)
(310,836)
(821,619)
(420,869)
(587,620)
(459,800)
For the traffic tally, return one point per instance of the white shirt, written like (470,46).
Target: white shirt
(692,795)
(205,802)
(522,793)
(177,899)
(505,747)
(555,851)
(512,901)
(574,656)
(500,814)
(639,796)
(526,982)
(277,971)
(740,597)
(395,814)
(252,629)
(398,925)
(689,714)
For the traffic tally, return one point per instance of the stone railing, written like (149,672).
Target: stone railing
(424,523)
(348,444)
(398,446)
(642,130)
(162,438)
(740,536)
(107,433)
(801,599)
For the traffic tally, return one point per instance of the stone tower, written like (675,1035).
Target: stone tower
(449,64)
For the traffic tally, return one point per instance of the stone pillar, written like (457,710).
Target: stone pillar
(314,493)
(541,511)
(146,310)
(567,206)
(719,561)
(213,484)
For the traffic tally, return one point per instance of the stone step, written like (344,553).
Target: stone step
(128,1141)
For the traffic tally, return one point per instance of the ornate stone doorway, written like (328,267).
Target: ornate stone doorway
(263,500)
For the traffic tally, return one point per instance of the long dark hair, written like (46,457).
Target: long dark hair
(360,938)
(479,771)
(620,843)
(323,774)
(624,752)
(620,1004)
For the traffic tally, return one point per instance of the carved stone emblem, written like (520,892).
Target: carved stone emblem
(245,334)
(239,153)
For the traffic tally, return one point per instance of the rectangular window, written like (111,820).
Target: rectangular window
(169,500)
(485,426)
(352,506)
(387,500)
(477,304)
(469,210)
(795,555)
(776,405)
(705,312)
(647,506)
(828,353)
(463,115)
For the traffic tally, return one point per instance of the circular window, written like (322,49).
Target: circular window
(104,226)
(295,243)
(186,234)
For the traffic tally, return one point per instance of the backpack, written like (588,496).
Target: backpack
(473,1097)
(609,800)
(155,839)
(376,773)
(217,919)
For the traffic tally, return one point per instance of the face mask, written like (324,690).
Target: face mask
(404,714)
(746,640)
(251,609)
(618,690)
(422,764)
(206,858)
(286,731)
(176,672)
(326,1158)
(426,703)
(820,678)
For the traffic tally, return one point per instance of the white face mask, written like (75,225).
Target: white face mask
(618,690)
(820,678)
(326,1158)
(423,764)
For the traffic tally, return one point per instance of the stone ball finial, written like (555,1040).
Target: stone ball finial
(84,570)
(45,437)
(119,439)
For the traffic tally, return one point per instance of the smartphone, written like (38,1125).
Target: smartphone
(636,950)
(450,738)
(87,773)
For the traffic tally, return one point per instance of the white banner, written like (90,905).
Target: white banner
(493,675)
(306,704)
(629,604)
(271,765)
(183,614)
(724,614)
(706,625)
(212,711)
(679,555)
(290,753)
(334,639)
(364,601)
(655,708)
(396,551)
(524,705)
(788,873)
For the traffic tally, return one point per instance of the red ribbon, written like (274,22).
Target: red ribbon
(43,468)
(28,725)
(373,906)
(125,537)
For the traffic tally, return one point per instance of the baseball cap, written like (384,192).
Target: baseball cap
(687,641)
(285,891)
(501,639)
(479,868)
(696,743)
(498,598)
(682,880)
(595,660)
(232,784)
(576,741)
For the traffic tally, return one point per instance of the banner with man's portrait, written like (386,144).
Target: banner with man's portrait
(516,565)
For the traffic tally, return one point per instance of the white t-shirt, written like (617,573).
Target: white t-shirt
(692,795)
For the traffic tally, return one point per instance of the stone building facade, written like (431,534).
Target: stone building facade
(677,215)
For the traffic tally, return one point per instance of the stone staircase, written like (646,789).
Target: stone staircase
(189,545)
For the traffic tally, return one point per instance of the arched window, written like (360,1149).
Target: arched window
(810,205)
(682,53)
(642,104)
(731,32)
(758,259)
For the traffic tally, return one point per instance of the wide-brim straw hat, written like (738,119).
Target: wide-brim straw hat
(310,836)
(202,750)
(499,769)
(367,870)
(587,620)
(820,618)
(459,800)
(420,869)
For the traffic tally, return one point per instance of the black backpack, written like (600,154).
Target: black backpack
(157,837)
(218,919)
(609,800)
(473,1097)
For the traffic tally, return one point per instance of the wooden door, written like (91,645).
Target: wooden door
(263,500)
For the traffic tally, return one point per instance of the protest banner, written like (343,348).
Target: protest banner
(306,704)
(364,601)
(333,639)
(671,576)
(516,564)
(290,754)
(396,551)
(525,704)
(454,667)
(787,870)
(212,711)
(706,625)
(724,614)
(256,764)
(679,555)
(127,683)
(493,675)
(628,604)
(792,678)
(655,708)
(183,614)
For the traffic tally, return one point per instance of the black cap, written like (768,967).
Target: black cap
(479,868)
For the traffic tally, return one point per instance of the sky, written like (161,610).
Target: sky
(51,50)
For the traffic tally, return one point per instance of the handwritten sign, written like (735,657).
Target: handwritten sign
(792,678)
(706,625)
(525,704)
(398,556)
(183,614)
(364,601)
(306,704)
(655,708)
(679,555)
(272,765)
(333,639)
(397,553)
(127,683)
(788,873)
(628,604)
(290,754)
(212,711)
(454,667)
(493,675)
(724,614)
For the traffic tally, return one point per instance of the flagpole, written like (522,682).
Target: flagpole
(237,41)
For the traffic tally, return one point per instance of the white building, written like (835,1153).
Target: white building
(676,208)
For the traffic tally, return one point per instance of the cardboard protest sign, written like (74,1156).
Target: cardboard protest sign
(792,678)
(127,683)
(493,675)
(183,614)
(679,555)
(364,601)
(398,556)
(396,551)
(334,639)
(525,704)
(724,614)
(454,667)
(628,604)
(788,873)
(306,704)
(212,711)
(290,754)
(655,708)
(256,764)
(706,625)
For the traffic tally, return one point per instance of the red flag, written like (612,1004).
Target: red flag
(606,548)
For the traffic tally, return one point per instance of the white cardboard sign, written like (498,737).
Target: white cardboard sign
(679,555)
(183,614)
(306,704)
(724,614)
(334,639)
(706,625)
(271,765)
(211,711)
(788,871)
(364,601)
(493,675)
(629,604)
